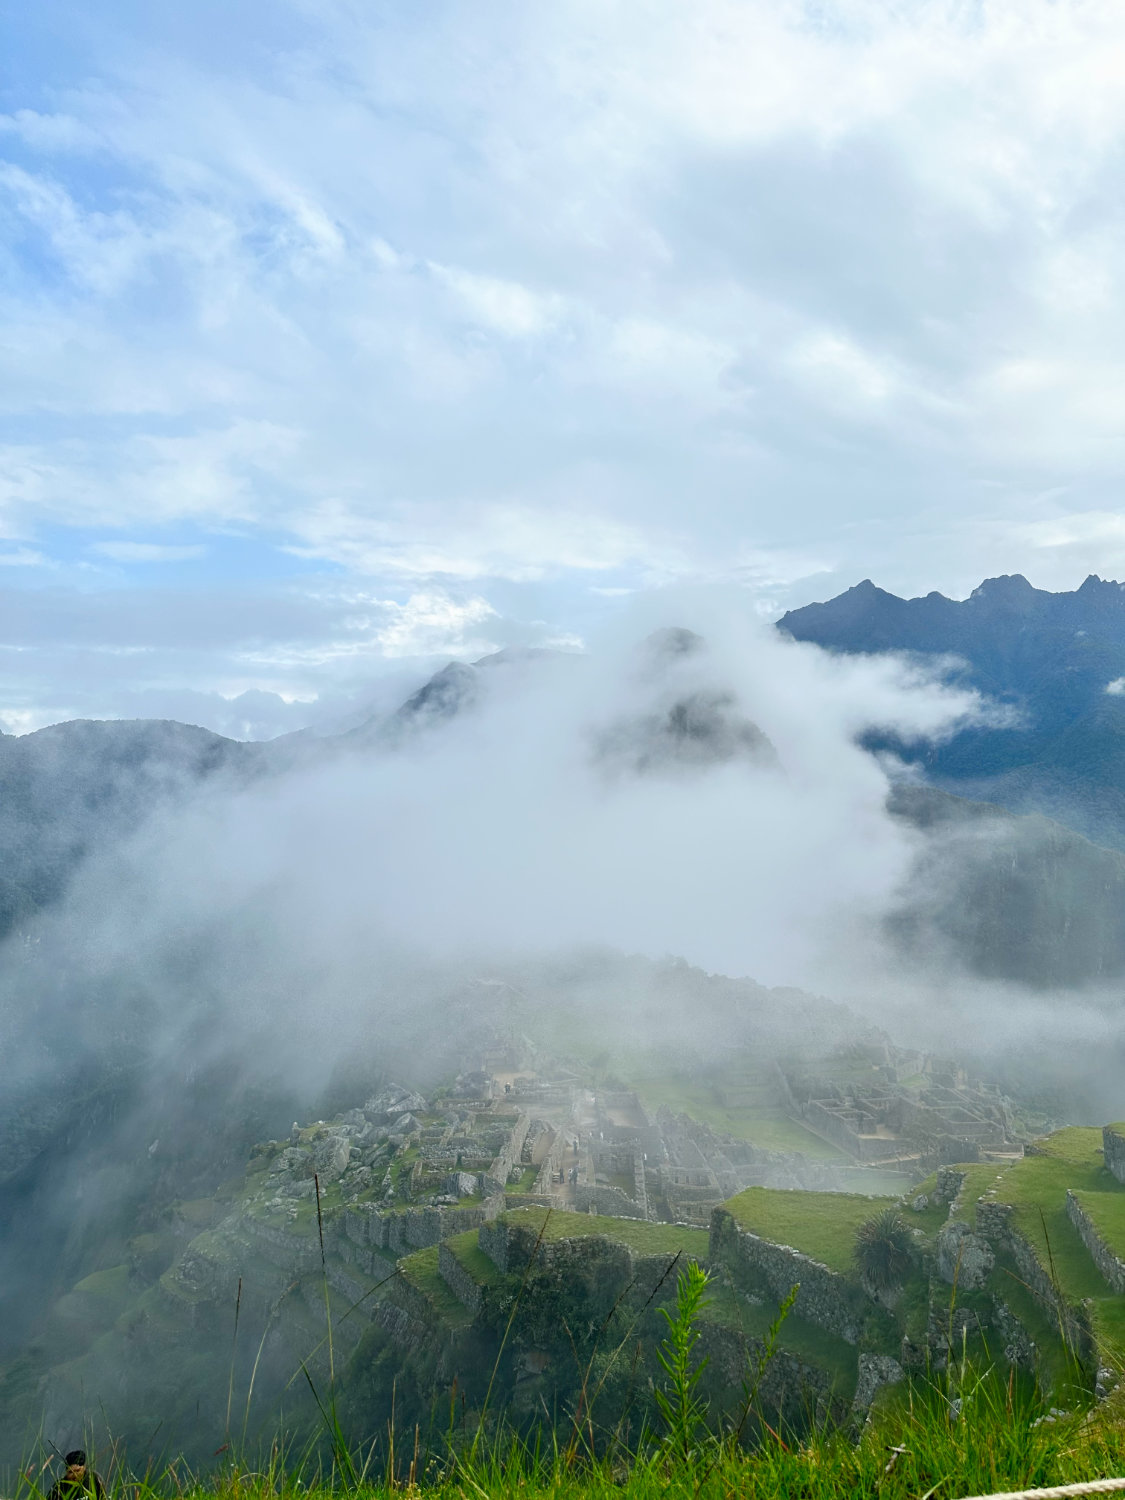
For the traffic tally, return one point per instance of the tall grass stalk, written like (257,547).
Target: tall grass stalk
(233,1351)
(586,1402)
(680,1406)
(324,1280)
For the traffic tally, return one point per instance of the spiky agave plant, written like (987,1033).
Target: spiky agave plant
(883,1250)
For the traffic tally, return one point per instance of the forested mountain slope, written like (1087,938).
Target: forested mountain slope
(1055,661)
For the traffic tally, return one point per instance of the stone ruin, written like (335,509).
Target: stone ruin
(937,1116)
(521,1135)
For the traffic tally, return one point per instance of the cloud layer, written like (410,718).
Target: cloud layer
(510,310)
(524,826)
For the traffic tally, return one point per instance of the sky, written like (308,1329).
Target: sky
(338,339)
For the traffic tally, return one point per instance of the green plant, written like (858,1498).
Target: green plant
(883,1250)
(679,1404)
(752,1380)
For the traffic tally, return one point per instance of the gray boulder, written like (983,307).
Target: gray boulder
(875,1371)
(292,1161)
(963,1257)
(461,1184)
(332,1156)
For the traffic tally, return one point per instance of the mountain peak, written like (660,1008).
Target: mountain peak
(673,641)
(1106,587)
(1006,586)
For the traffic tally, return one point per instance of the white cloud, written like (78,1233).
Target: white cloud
(513,540)
(643,291)
(433,624)
(22,557)
(842,373)
(505,306)
(148,552)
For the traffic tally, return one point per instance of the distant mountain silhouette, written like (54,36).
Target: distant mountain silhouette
(1057,661)
(72,789)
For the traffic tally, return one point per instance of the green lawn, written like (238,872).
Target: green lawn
(762,1122)
(641,1236)
(879,1184)
(980,1177)
(1106,1211)
(820,1225)
(420,1271)
(798,1336)
(97,1300)
(198,1211)
(1036,1188)
(929,1220)
(466,1248)
(1042,1328)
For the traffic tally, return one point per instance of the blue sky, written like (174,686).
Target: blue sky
(339,338)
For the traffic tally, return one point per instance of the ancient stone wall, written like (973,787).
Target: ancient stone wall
(994,1222)
(950,1181)
(496,1179)
(649,1271)
(1103,1257)
(643,1129)
(791,1388)
(493,1240)
(510,1246)
(1019,1346)
(1113,1145)
(606,1200)
(964,1259)
(404,1317)
(825,1298)
(830,1125)
(399,1231)
(366,1258)
(468,1292)
(293,1252)
(530,1200)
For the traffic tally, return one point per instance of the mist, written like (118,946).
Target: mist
(701,796)
(586,838)
(559,810)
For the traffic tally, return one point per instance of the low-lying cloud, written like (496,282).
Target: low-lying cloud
(577,802)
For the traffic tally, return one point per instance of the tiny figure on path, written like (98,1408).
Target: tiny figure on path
(78,1481)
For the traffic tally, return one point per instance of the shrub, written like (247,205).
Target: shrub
(883,1248)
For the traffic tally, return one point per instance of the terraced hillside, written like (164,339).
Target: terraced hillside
(1026,1257)
(409,1226)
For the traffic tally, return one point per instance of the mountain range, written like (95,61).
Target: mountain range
(1040,900)
(1052,663)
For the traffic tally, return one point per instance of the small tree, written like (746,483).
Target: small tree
(883,1250)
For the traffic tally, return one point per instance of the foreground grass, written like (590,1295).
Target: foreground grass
(993,1435)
